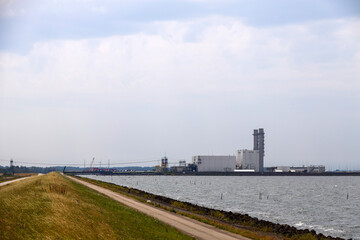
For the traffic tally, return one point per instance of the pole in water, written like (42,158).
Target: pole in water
(221,196)
(347,196)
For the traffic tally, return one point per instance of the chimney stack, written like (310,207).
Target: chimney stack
(259,144)
(256,143)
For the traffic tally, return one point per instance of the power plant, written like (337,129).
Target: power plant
(245,160)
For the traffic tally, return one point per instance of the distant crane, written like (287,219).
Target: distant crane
(92,162)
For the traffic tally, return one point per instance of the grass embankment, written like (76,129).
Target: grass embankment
(234,222)
(54,207)
(4,178)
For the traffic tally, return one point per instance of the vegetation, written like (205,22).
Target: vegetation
(54,207)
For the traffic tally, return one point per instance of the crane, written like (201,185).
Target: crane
(91,164)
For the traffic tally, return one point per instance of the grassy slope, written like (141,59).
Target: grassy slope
(53,207)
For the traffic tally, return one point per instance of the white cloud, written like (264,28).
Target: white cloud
(225,56)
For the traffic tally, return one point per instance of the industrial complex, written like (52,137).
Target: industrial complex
(245,160)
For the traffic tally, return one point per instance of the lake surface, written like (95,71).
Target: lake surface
(329,205)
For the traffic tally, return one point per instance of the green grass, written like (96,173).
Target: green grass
(54,207)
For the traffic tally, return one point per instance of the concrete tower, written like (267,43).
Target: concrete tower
(256,143)
(259,144)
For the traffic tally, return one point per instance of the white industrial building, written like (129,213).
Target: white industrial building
(303,169)
(248,159)
(207,163)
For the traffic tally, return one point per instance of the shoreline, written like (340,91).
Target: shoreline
(216,217)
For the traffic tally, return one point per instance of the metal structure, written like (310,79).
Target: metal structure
(92,162)
(164,164)
(11,167)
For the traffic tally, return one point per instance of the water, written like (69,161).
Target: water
(329,205)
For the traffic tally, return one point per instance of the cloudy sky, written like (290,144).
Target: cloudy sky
(132,80)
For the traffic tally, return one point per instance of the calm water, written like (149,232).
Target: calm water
(330,205)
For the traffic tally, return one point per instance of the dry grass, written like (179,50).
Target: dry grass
(53,207)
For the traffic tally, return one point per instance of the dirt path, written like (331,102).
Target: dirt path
(11,181)
(189,226)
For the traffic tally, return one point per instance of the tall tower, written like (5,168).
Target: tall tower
(256,143)
(259,144)
(12,167)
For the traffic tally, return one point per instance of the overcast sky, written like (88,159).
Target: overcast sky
(132,80)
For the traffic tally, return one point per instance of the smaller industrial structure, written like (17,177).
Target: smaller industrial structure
(182,168)
(164,164)
(303,169)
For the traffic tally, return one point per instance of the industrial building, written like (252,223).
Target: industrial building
(206,163)
(303,169)
(181,168)
(245,160)
(248,159)
(164,164)
(253,159)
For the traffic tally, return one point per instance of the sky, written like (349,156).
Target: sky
(131,81)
